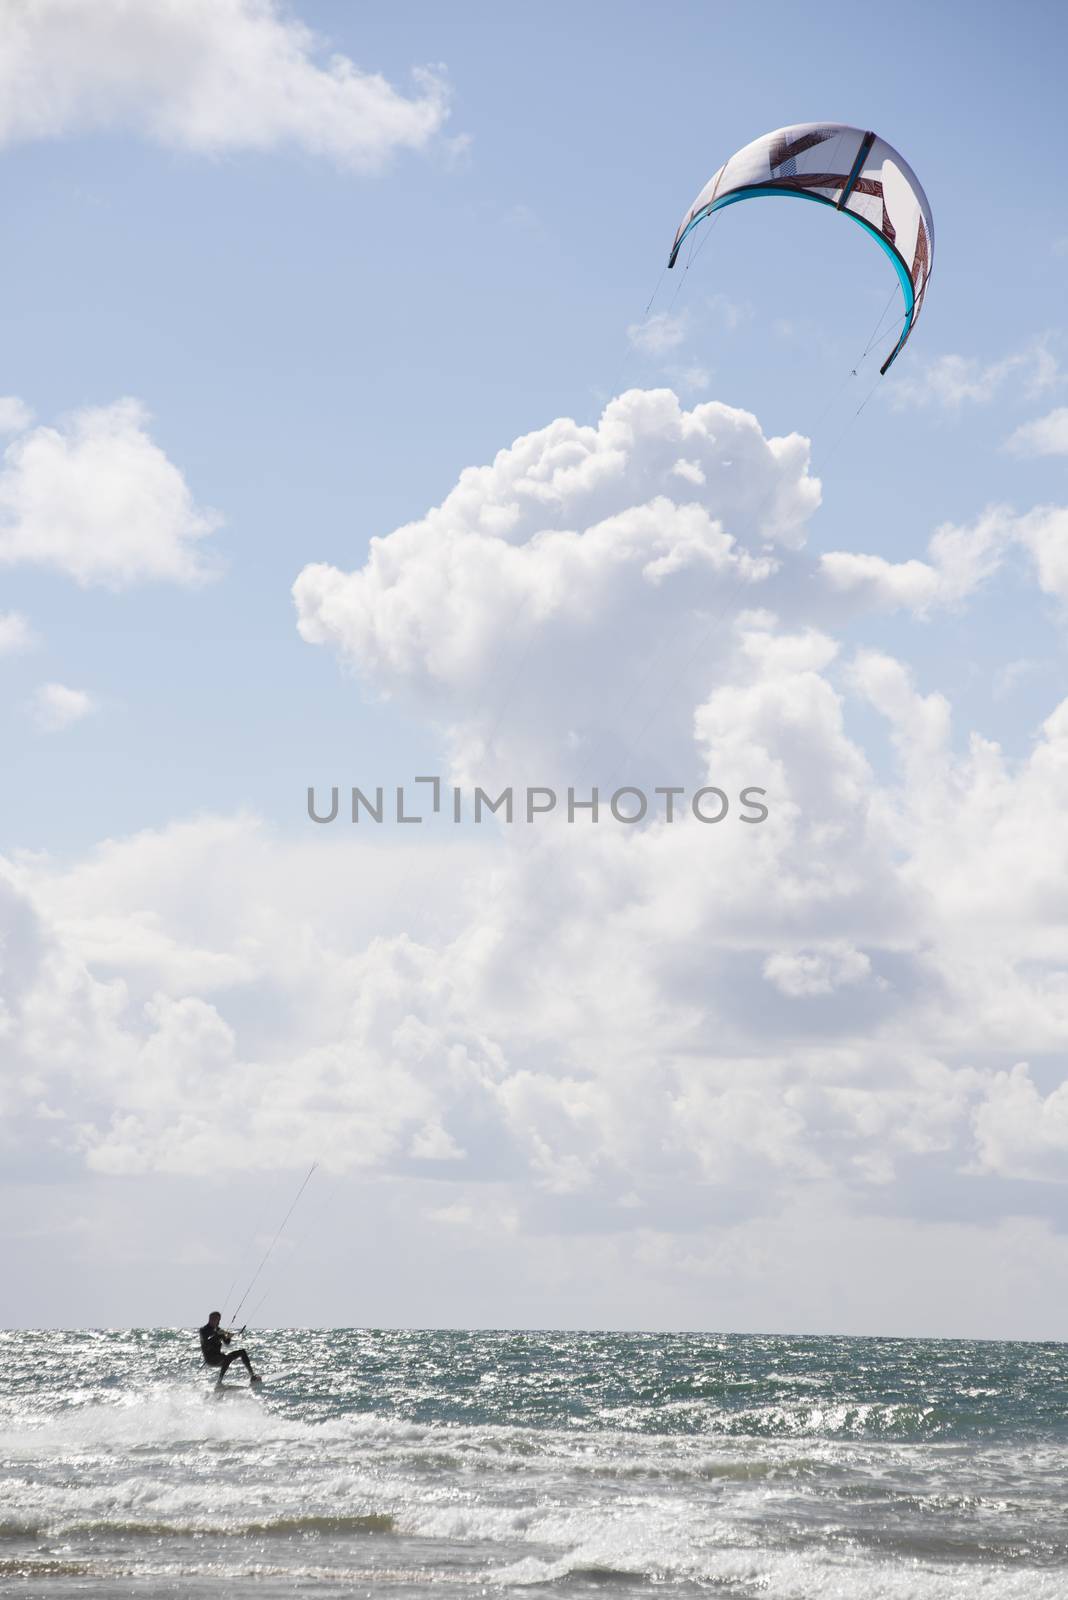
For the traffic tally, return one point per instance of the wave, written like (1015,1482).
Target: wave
(760,1574)
(371,1522)
(846,1419)
(46,1567)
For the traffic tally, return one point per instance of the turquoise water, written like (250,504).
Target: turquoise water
(506,1463)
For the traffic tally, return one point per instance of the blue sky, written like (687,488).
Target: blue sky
(813,1079)
(322,352)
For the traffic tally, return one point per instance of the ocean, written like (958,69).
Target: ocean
(534,1464)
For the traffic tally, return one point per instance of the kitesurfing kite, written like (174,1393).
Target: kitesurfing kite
(849,169)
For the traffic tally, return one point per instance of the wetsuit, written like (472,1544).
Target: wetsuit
(211,1345)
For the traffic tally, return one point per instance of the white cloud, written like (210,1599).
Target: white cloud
(56,707)
(690,471)
(15,415)
(621,1040)
(691,380)
(912,584)
(586,545)
(800,973)
(608,1023)
(1019,1132)
(860,890)
(659,333)
(206,75)
(15,633)
(730,312)
(1044,533)
(1013,672)
(953,381)
(1045,436)
(961,559)
(99,501)
(666,331)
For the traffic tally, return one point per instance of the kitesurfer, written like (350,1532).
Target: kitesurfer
(212,1339)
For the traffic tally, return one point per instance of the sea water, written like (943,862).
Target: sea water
(495,1464)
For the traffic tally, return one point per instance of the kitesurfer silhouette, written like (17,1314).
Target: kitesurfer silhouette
(212,1339)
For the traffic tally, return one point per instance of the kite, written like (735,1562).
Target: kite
(849,169)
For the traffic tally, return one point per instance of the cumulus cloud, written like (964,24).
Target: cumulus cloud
(961,559)
(55,706)
(877,895)
(1045,436)
(809,972)
(15,633)
(99,501)
(691,379)
(15,415)
(1043,532)
(804,1005)
(606,550)
(953,381)
(208,76)
(659,333)
(127,1011)
(612,1027)
(1019,1131)
(664,333)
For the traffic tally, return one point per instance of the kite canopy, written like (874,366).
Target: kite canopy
(854,171)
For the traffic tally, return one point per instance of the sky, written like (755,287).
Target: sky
(355,432)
